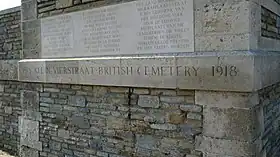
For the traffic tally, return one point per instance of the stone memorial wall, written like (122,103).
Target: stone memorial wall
(143,78)
(150,27)
(10,108)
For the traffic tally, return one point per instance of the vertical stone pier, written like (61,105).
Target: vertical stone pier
(143,78)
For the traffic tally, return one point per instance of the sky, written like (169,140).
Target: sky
(5,4)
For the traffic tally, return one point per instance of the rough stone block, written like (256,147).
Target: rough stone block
(232,123)
(55,90)
(168,143)
(79,101)
(176,117)
(191,108)
(223,147)
(30,100)
(80,122)
(195,116)
(47,100)
(2,87)
(172,99)
(116,123)
(28,152)
(56,108)
(32,115)
(63,133)
(146,141)
(8,110)
(29,133)
(29,10)
(1,119)
(63,3)
(148,101)
(7,46)
(55,145)
(142,91)
(163,126)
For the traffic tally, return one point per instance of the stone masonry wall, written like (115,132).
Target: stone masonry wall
(10,34)
(269,113)
(270,24)
(10,108)
(54,7)
(87,121)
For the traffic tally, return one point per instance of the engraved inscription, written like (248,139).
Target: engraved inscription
(161,25)
(58,35)
(137,27)
(183,71)
(224,70)
(101,31)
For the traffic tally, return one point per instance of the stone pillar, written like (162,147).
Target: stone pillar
(31,45)
(29,121)
(30,144)
(230,125)
(226,25)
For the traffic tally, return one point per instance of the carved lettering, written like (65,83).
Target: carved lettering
(138,27)
(224,71)
(182,71)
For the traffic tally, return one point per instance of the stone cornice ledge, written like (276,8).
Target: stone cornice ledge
(235,71)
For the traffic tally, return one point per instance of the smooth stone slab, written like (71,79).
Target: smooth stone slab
(29,133)
(138,27)
(237,71)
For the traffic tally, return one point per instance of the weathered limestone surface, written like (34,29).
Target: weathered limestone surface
(221,22)
(29,133)
(184,72)
(219,100)
(216,71)
(128,28)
